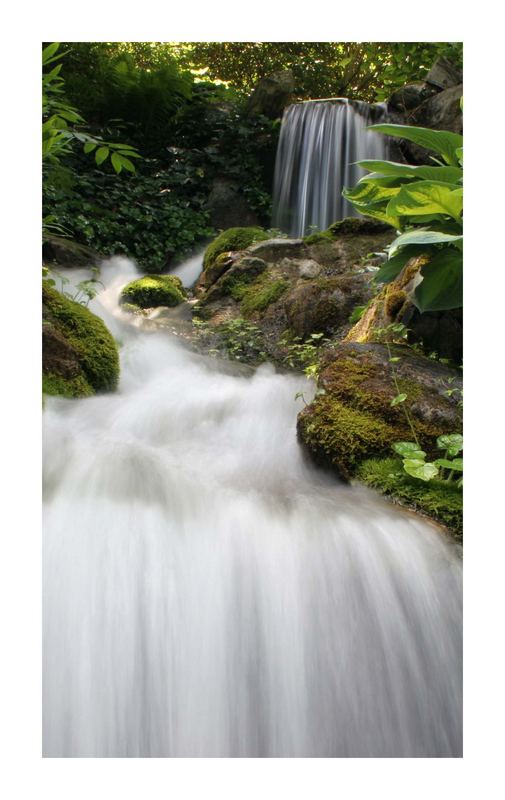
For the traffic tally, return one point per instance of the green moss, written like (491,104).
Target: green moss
(66,387)
(261,294)
(95,350)
(154,290)
(230,240)
(441,500)
(395,300)
(317,238)
(342,436)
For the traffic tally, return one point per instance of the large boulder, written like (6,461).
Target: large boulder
(444,74)
(293,287)
(68,253)
(272,94)
(79,354)
(352,418)
(228,207)
(410,96)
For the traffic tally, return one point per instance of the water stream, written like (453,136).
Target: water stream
(208,592)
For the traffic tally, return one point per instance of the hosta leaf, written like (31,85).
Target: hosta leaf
(419,469)
(442,285)
(445,143)
(409,450)
(442,174)
(424,237)
(425,198)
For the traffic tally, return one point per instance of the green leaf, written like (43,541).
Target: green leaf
(89,147)
(445,143)
(451,442)
(101,154)
(455,464)
(419,469)
(441,288)
(426,198)
(400,398)
(424,237)
(409,450)
(441,174)
(116,162)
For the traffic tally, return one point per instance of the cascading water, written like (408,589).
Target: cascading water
(319,142)
(207,592)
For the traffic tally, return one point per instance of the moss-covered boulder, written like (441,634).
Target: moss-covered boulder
(352,419)
(440,500)
(79,354)
(232,240)
(152,291)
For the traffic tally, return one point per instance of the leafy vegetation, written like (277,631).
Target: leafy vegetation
(425,203)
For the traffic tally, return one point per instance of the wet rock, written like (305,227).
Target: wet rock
(325,305)
(68,253)
(410,96)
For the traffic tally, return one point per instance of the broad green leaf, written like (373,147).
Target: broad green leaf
(442,174)
(451,442)
(425,198)
(89,147)
(49,51)
(442,285)
(424,237)
(400,398)
(101,154)
(455,464)
(445,143)
(365,194)
(419,469)
(409,450)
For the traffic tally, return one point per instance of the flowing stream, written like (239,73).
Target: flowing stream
(319,142)
(208,592)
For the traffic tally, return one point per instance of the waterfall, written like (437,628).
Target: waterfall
(319,142)
(208,592)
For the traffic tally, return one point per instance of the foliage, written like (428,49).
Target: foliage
(302,354)
(147,216)
(85,290)
(445,468)
(154,290)
(232,239)
(426,204)
(439,499)
(361,70)
(237,339)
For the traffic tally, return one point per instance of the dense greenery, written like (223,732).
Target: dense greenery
(425,203)
(361,70)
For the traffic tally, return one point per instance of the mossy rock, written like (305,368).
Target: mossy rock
(352,419)
(231,240)
(79,354)
(440,500)
(152,291)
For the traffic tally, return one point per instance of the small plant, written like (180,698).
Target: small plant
(238,339)
(85,290)
(447,468)
(304,355)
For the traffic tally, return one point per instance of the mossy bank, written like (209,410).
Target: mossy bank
(79,354)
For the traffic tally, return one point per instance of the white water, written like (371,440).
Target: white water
(318,143)
(209,593)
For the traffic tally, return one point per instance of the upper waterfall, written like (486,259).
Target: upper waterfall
(319,143)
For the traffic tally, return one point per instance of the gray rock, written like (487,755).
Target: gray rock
(272,94)
(411,96)
(444,74)
(227,206)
